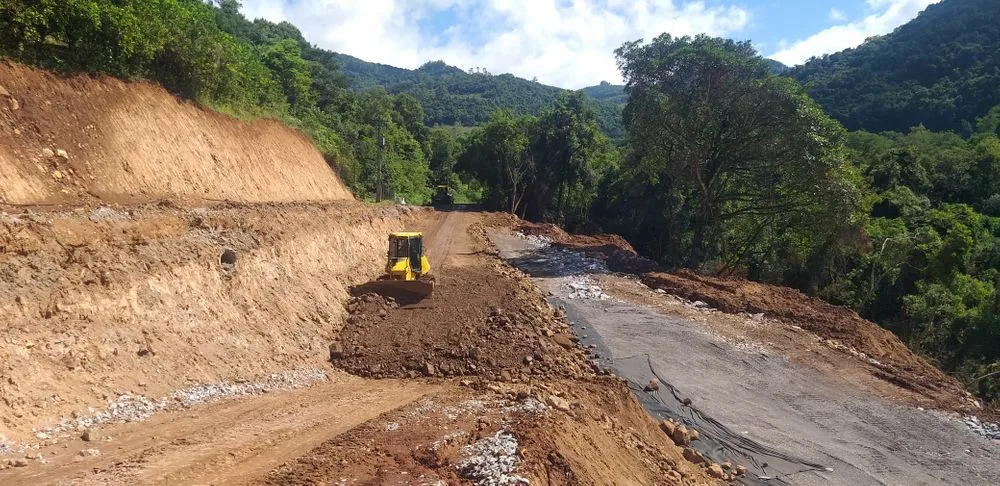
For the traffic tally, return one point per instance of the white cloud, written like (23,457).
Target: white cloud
(837,15)
(567,43)
(885,15)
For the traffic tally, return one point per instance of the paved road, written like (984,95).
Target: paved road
(765,406)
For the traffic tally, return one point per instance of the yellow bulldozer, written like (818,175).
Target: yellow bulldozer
(407,270)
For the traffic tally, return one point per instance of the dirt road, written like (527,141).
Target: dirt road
(481,382)
(227,442)
(793,415)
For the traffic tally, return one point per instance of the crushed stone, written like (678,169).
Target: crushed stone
(985,429)
(127,407)
(105,213)
(492,461)
(574,264)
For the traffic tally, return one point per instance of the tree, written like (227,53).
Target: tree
(747,156)
(572,156)
(499,155)
(284,58)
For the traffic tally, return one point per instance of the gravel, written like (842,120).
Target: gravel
(105,213)
(985,429)
(127,407)
(492,461)
(570,263)
(585,288)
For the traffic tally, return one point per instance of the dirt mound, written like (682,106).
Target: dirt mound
(616,252)
(81,138)
(507,434)
(481,321)
(889,359)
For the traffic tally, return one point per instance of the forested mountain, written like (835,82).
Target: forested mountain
(777,67)
(941,70)
(451,96)
(607,92)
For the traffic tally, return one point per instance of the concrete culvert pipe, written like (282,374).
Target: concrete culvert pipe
(228,257)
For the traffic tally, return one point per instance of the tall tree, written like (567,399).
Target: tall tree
(573,156)
(499,155)
(751,164)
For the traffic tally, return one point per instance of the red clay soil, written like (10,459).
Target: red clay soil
(487,321)
(896,363)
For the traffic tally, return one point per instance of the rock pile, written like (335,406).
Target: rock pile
(492,461)
(985,429)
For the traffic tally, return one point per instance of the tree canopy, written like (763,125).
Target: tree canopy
(451,96)
(730,165)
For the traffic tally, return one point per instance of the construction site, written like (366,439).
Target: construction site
(186,299)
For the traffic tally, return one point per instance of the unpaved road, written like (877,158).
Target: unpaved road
(790,409)
(228,442)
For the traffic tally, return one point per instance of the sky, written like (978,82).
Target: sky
(571,43)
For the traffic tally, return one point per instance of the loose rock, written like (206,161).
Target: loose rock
(681,436)
(694,456)
(558,403)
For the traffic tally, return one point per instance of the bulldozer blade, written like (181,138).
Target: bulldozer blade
(404,291)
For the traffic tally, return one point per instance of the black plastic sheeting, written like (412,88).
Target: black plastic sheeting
(765,466)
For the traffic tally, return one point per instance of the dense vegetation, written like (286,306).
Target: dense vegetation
(451,96)
(727,167)
(941,70)
(542,168)
(932,272)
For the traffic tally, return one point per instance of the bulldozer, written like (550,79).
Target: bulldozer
(407,269)
(442,197)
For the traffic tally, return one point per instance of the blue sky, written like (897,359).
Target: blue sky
(570,43)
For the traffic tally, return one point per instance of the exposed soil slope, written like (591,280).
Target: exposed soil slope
(82,138)
(93,304)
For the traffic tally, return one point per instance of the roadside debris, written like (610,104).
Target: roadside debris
(985,429)
(128,407)
(492,461)
(574,264)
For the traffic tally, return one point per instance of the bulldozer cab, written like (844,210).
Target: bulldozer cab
(407,270)
(409,246)
(406,256)
(442,197)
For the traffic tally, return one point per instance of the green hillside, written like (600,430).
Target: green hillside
(941,70)
(451,96)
